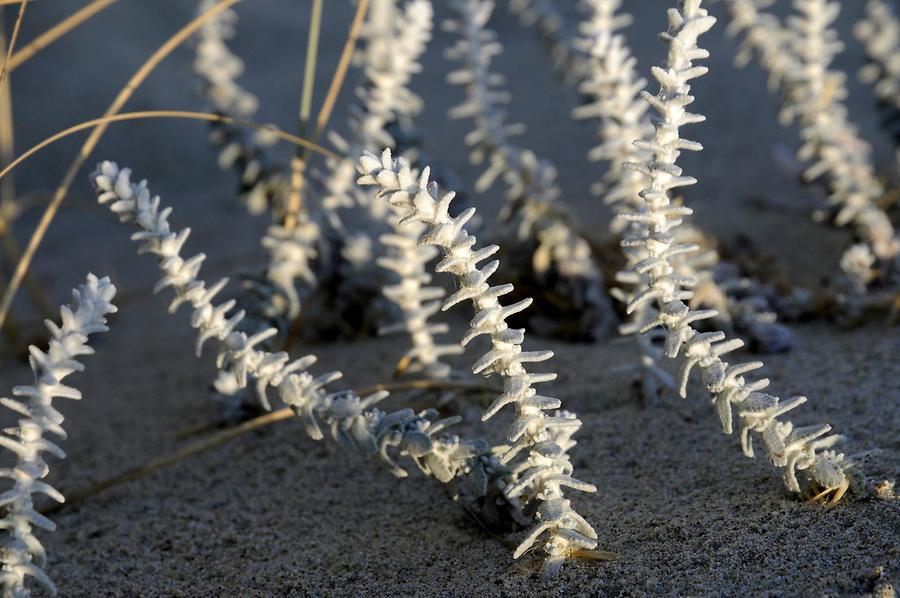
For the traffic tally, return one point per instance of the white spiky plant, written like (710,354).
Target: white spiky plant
(611,89)
(292,251)
(599,63)
(390,65)
(613,86)
(764,36)
(610,81)
(531,181)
(417,302)
(22,554)
(550,23)
(799,56)
(391,60)
(879,32)
(271,297)
(540,476)
(789,448)
(832,142)
(218,69)
(532,210)
(396,37)
(352,421)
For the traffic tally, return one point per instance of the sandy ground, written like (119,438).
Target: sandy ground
(275,513)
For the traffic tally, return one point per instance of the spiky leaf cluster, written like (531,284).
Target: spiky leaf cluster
(22,554)
(247,152)
(879,31)
(352,421)
(764,36)
(536,224)
(799,57)
(417,302)
(540,476)
(787,447)
(551,25)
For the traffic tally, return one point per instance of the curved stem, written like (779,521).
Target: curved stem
(12,41)
(298,163)
(9,208)
(182,114)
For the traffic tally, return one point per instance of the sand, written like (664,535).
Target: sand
(274,513)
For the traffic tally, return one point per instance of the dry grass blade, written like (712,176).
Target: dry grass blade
(334,88)
(223,436)
(340,72)
(8,207)
(7,136)
(309,71)
(133,84)
(298,163)
(12,41)
(180,114)
(7,152)
(295,196)
(57,31)
(298,166)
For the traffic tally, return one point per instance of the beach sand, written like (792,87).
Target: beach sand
(275,513)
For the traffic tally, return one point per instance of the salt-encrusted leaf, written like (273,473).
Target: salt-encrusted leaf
(22,554)
(352,422)
(543,248)
(798,56)
(545,438)
(660,282)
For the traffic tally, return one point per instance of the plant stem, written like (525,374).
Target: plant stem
(183,114)
(12,42)
(341,71)
(9,208)
(334,88)
(298,163)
